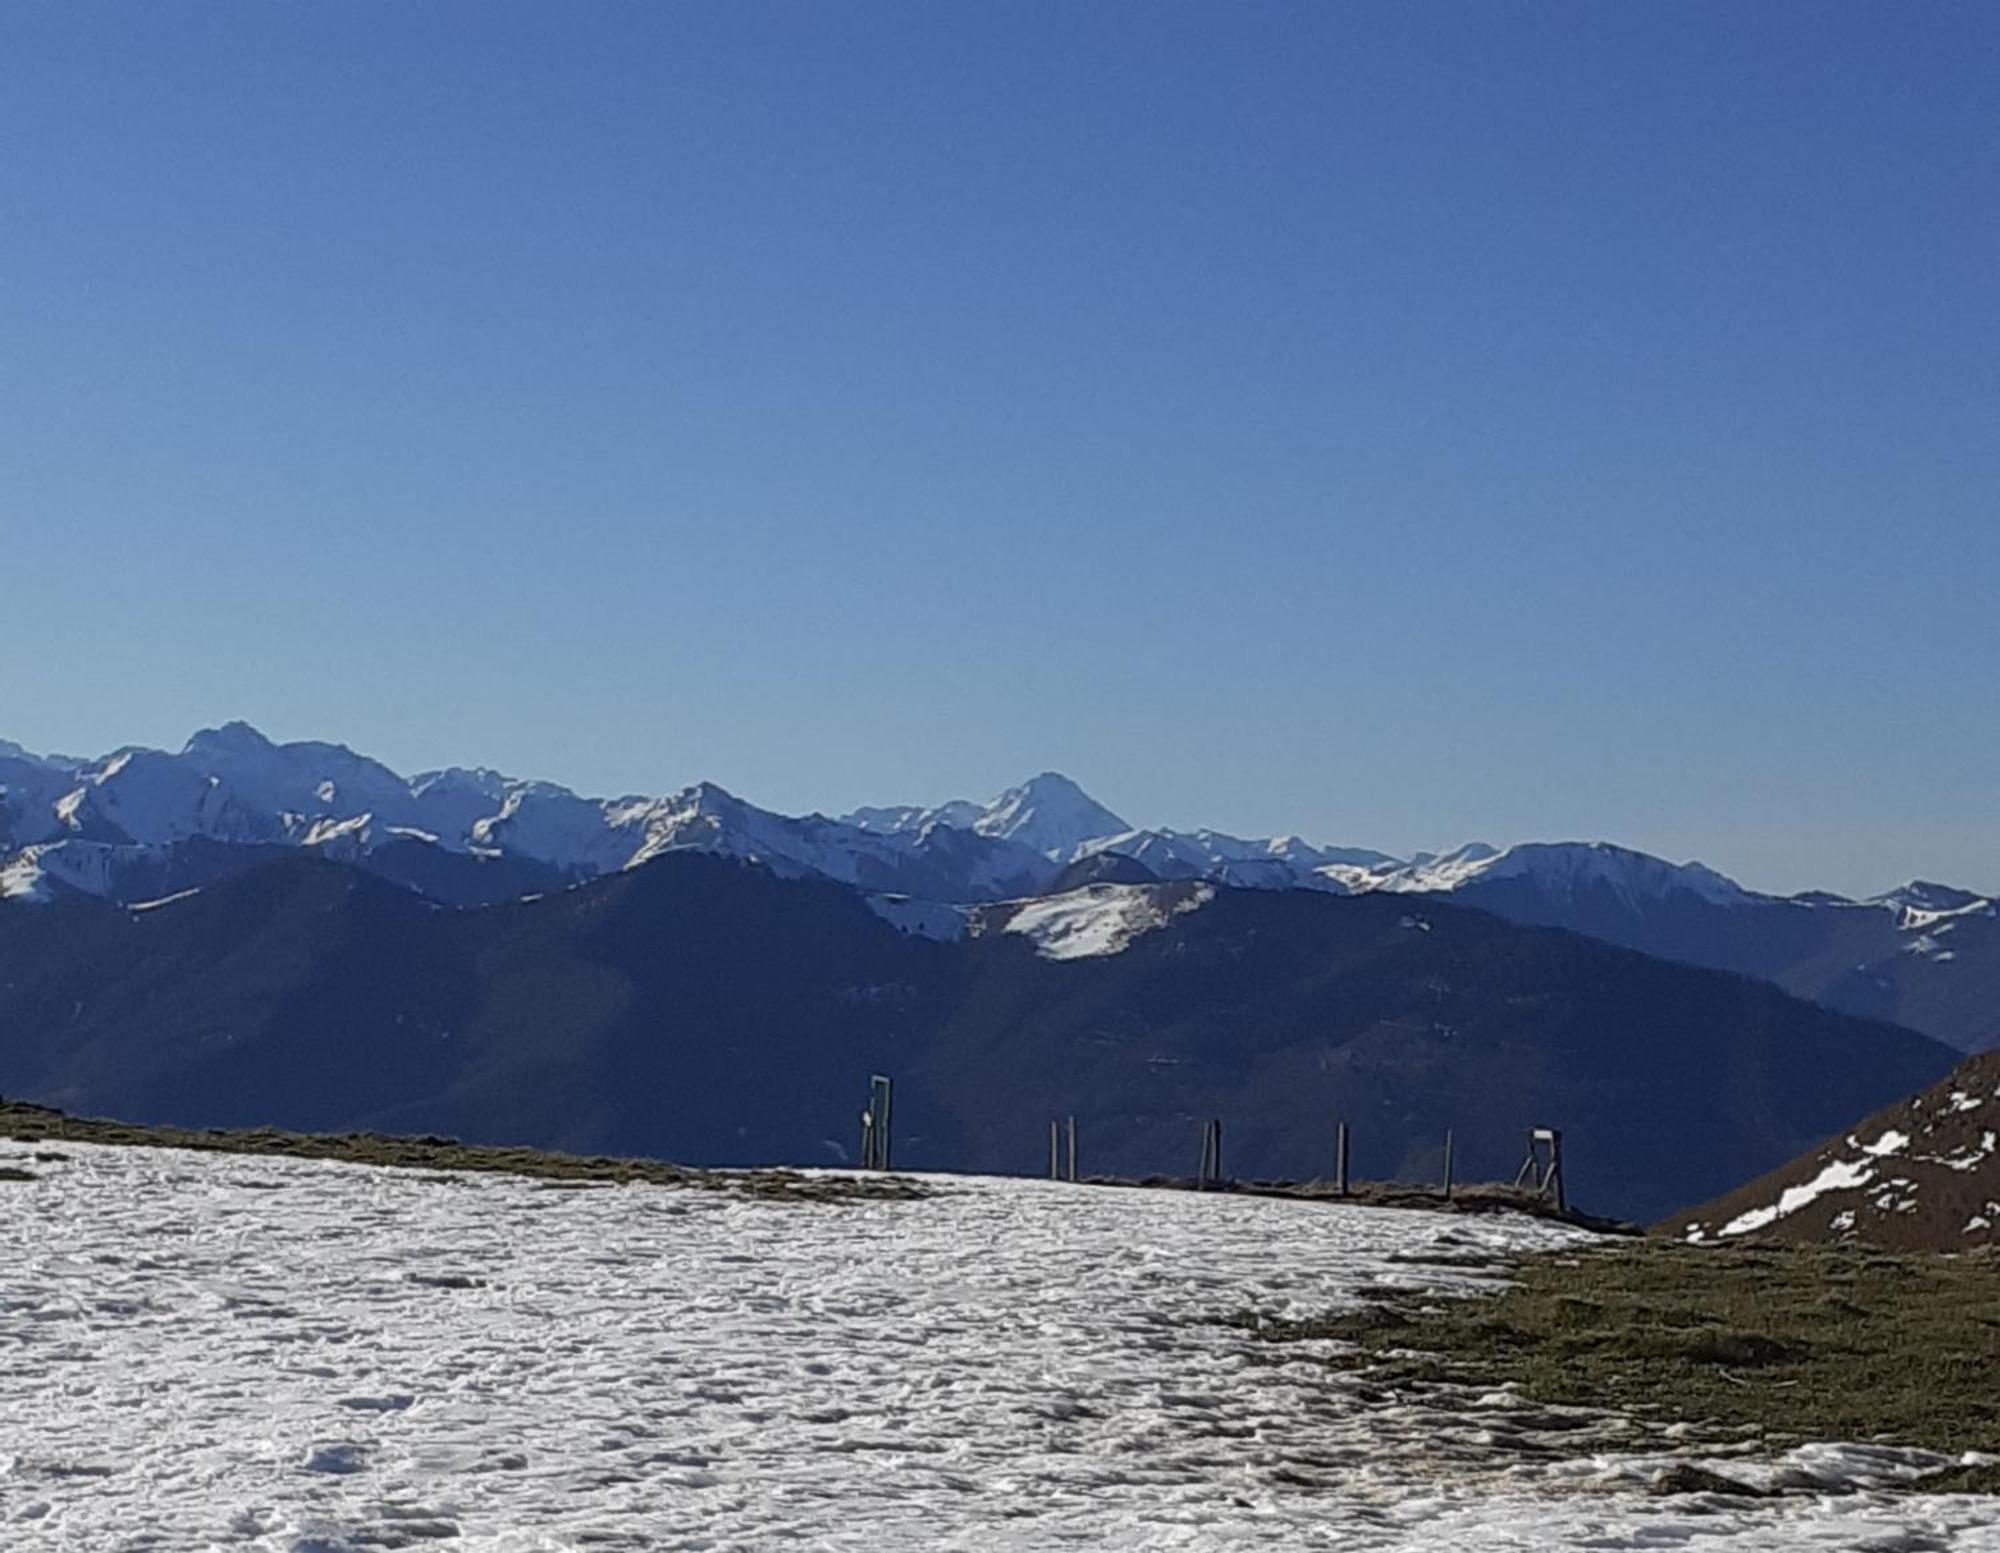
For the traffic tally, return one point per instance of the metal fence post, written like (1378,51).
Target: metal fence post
(875,1123)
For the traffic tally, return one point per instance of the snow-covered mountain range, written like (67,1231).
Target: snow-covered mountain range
(141,824)
(87,824)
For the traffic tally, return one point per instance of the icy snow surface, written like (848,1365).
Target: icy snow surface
(223,1352)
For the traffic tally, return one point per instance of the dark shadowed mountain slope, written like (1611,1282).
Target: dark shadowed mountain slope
(1938,972)
(1283,1013)
(642,1014)
(1922,1174)
(706,1010)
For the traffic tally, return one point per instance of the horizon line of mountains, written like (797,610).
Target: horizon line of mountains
(142,825)
(247,933)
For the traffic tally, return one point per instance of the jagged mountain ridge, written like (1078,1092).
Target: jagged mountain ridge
(233,785)
(117,826)
(141,824)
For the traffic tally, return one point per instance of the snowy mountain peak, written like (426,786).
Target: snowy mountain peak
(1446,870)
(1926,897)
(1051,814)
(475,781)
(1048,814)
(1566,868)
(232,738)
(1929,911)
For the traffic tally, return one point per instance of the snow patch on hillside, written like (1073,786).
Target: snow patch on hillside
(165,900)
(84,866)
(1838,1176)
(21,878)
(1927,1158)
(1101,919)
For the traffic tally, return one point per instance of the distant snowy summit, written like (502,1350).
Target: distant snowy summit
(90,824)
(86,823)
(1049,814)
(1570,867)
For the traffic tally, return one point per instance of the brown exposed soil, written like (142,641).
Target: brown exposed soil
(1920,1175)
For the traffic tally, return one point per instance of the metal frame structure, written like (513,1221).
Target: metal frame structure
(1542,1171)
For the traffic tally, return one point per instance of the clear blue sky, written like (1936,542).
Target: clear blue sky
(1389,423)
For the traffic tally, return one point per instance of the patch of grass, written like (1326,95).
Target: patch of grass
(32,1123)
(15,1173)
(1791,1343)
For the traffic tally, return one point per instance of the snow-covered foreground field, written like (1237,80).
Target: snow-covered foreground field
(213,1351)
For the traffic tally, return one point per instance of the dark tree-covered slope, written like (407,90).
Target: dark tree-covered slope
(704,1010)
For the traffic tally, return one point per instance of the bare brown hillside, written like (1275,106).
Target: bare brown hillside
(1920,1175)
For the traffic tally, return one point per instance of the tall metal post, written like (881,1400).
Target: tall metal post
(875,1123)
(1054,1173)
(1447,1164)
(1072,1148)
(1211,1155)
(1340,1159)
